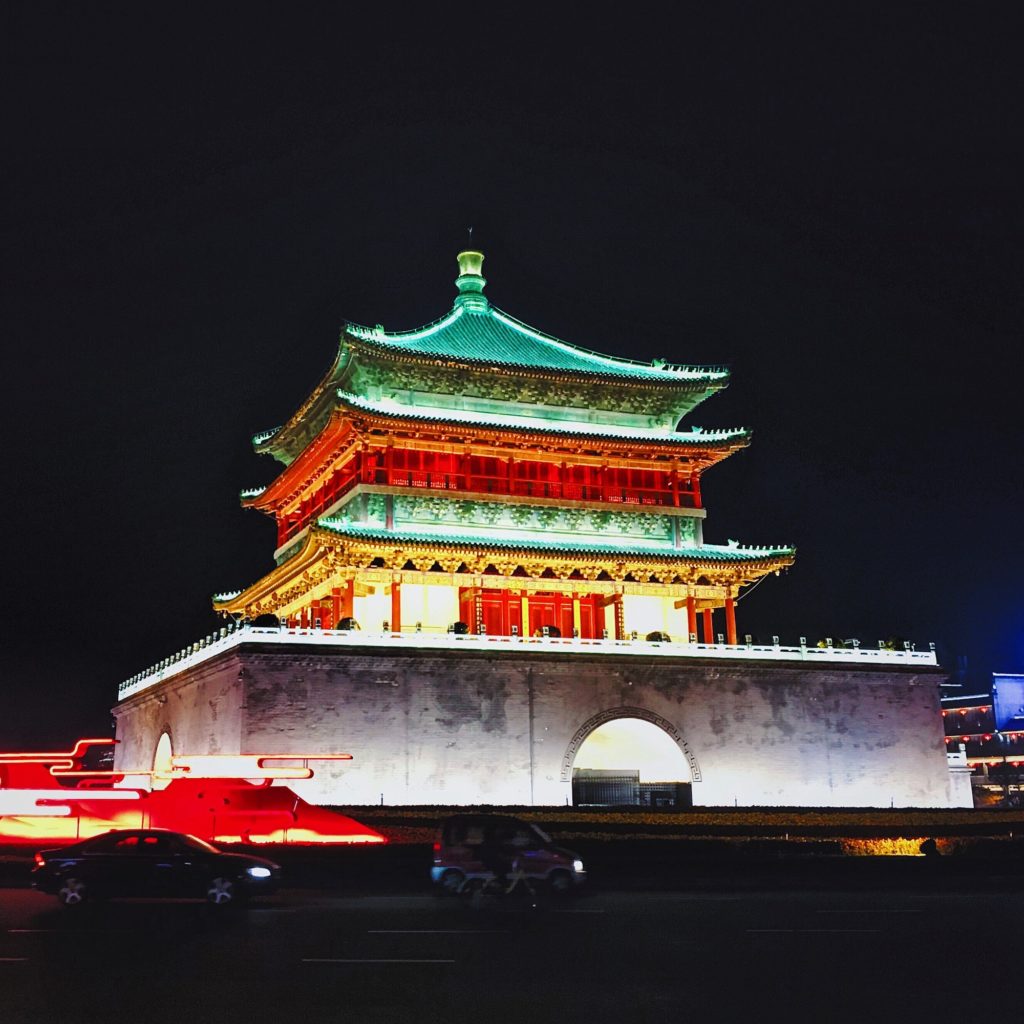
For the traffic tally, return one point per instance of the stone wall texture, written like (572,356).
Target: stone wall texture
(503,728)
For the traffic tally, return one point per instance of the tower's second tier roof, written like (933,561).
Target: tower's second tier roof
(528,420)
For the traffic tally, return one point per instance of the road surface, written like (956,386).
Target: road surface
(308,956)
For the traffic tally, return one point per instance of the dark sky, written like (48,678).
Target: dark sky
(192,206)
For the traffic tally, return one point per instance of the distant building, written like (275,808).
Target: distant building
(490,543)
(985,731)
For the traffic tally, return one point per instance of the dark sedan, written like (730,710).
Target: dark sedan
(151,863)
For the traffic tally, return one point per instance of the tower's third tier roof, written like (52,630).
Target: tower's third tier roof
(478,358)
(487,337)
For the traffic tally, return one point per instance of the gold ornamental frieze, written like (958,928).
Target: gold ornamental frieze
(327,559)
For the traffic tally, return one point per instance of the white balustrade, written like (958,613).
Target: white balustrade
(226,640)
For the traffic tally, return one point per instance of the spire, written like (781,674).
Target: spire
(471,281)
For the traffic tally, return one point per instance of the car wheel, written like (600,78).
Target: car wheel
(560,883)
(221,891)
(72,892)
(451,882)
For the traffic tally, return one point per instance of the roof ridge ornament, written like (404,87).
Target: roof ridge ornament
(471,281)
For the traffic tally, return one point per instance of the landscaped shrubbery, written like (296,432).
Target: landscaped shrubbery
(742,831)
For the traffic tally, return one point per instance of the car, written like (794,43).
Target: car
(457,853)
(154,864)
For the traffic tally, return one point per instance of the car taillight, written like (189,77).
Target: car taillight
(40,860)
(437,847)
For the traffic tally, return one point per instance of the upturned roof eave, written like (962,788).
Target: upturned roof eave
(729,441)
(321,538)
(716,379)
(357,342)
(731,438)
(275,442)
(705,555)
(494,325)
(281,489)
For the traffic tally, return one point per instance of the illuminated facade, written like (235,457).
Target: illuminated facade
(986,730)
(490,545)
(480,476)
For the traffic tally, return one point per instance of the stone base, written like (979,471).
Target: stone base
(467,727)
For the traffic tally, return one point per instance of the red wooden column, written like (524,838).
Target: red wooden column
(336,606)
(709,636)
(506,612)
(730,621)
(396,606)
(691,616)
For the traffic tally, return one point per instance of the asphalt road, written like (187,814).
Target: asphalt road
(310,956)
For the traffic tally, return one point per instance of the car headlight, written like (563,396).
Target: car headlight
(259,872)
(577,866)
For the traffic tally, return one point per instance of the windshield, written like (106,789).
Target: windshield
(543,835)
(199,844)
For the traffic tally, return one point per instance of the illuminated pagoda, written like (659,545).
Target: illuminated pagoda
(476,475)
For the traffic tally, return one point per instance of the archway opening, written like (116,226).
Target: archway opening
(162,761)
(628,761)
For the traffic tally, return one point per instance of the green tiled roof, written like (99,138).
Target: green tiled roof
(484,335)
(695,435)
(491,538)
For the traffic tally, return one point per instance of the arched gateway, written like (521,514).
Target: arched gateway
(614,714)
(162,760)
(629,756)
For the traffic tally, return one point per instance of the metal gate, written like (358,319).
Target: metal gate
(600,787)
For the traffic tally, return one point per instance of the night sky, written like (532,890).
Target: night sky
(192,207)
